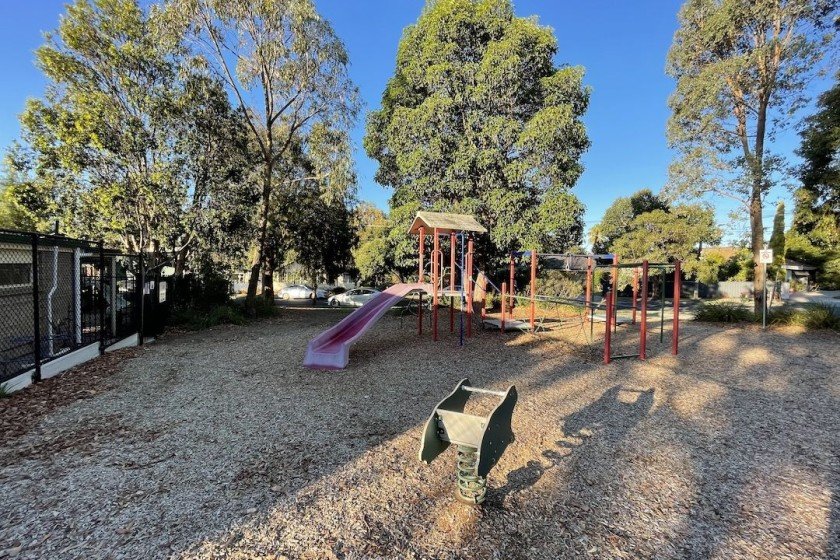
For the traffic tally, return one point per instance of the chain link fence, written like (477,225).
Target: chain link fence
(59,294)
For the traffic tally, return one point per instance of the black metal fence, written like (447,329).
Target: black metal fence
(59,294)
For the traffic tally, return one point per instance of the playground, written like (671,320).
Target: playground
(220,444)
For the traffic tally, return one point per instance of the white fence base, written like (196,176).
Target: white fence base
(62,364)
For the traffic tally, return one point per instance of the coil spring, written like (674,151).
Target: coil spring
(471,487)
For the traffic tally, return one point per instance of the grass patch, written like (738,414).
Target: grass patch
(723,312)
(813,316)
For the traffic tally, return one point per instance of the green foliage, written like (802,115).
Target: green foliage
(741,70)
(287,70)
(371,254)
(820,173)
(723,312)
(133,143)
(619,216)
(812,316)
(716,266)
(477,119)
(193,318)
(14,214)
(814,237)
(561,284)
(777,243)
(644,226)
(4,393)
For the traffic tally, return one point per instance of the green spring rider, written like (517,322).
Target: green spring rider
(480,440)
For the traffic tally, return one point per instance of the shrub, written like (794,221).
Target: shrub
(723,312)
(557,283)
(194,318)
(812,316)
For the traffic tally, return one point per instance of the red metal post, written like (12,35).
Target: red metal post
(420,274)
(533,289)
(643,329)
(608,327)
(468,278)
(451,281)
(511,280)
(614,290)
(675,334)
(588,289)
(435,279)
(635,292)
(504,299)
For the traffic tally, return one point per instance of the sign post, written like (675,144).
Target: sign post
(765,256)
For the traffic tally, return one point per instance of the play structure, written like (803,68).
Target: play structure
(480,440)
(331,349)
(462,287)
(590,309)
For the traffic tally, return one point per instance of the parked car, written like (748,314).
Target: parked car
(300,291)
(353,298)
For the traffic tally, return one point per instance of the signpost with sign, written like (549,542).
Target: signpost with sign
(765,257)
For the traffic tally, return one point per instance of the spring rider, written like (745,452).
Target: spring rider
(480,440)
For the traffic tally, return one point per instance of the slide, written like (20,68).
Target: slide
(331,348)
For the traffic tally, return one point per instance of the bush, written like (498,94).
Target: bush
(812,317)
(723,312)
(193,318)
(557,283)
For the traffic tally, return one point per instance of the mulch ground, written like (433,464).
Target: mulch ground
(218,444)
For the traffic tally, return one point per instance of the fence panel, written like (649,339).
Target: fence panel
(17,313)
(58,295)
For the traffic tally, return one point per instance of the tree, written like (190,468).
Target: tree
(619,216)
(287,71)
(777,242)
(814,237)
(13,184)
(133,142)
(100,152)
(371,253)
(478,119)
(669,235)
(741,69)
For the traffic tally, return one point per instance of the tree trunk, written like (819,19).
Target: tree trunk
(256,265)
(757,241)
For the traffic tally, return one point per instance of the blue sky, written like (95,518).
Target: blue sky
(622,45)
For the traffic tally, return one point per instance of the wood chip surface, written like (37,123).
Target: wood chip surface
(219,444)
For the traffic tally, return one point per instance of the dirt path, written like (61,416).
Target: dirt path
(219,444)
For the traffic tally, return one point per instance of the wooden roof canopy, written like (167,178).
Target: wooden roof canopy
(445,223)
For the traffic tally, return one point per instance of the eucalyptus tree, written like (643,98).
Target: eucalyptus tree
(285,69)
(133,141)
(98,141)
(742,69)
(478,119)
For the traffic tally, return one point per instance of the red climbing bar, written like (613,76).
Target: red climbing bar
(608,327)
(468,278)
(643,328)
(420,274)
(533,290)
(451,281)
(675,334)
(511,281)
(635,292)
(435,280)
(504,299)
(614,290)
(588,307)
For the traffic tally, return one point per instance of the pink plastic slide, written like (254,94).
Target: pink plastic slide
(331,348)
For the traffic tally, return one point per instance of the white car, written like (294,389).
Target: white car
(353,298)
(300,291)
